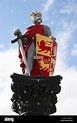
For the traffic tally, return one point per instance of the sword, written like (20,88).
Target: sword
(19,35)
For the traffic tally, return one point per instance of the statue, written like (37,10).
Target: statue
(35,90)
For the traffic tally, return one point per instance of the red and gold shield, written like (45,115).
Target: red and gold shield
(46,50)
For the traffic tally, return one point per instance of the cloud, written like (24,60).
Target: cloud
(47,5)
(1,46)
(64,38)
(65,35)
(67,97)
(74,50)
(69,8)
(9,63)
(75,46)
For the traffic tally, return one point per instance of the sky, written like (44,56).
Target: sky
(61,17)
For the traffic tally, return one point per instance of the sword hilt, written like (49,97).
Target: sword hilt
(18,35)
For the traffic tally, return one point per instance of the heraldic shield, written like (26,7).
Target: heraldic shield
(46,52)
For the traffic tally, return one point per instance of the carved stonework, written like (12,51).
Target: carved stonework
(35,95)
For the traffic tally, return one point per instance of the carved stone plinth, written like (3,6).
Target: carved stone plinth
(34,95)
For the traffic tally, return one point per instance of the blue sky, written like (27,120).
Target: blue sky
(61,16)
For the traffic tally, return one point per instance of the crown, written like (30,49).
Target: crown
(35,13)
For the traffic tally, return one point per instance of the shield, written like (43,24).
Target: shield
(46,51)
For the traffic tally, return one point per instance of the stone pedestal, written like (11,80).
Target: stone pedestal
(34,95)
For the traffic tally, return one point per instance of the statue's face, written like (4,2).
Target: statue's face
(38,18)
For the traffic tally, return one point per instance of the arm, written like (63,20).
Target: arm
(47,32)
(19,35)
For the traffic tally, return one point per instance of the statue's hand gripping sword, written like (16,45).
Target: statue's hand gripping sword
(18,38)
